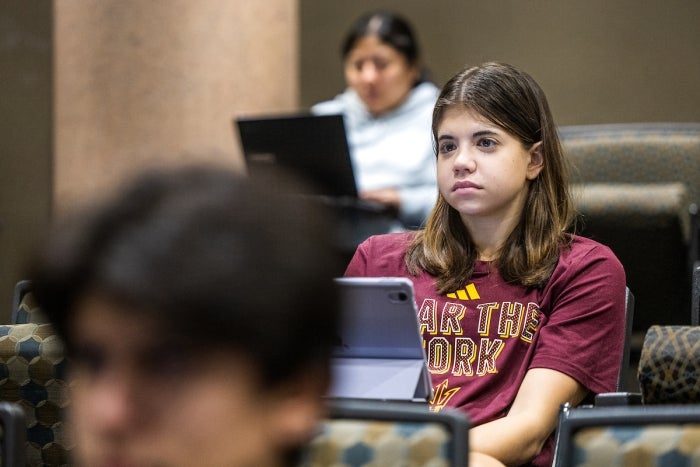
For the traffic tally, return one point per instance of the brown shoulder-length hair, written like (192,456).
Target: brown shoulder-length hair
(512,100)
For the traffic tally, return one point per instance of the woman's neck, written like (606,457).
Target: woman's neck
(488,236)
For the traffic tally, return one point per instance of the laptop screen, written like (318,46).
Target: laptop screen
(314,147)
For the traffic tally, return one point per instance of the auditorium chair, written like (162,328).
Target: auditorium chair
(365,433)
(32,365)
(658,426)
(637,188)
(635,435)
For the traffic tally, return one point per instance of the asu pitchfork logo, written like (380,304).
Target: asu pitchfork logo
(467,293)
(441,396)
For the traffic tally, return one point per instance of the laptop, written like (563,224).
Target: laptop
(380,352)
(313,146)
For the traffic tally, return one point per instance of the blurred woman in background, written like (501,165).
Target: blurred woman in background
(387,109)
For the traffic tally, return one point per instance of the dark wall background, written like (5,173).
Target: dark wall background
(25,135)
(599,61)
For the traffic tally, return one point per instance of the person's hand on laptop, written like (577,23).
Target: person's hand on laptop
(386,196)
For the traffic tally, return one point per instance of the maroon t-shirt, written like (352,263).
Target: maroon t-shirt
(480,340)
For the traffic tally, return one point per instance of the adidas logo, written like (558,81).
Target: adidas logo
(467,293)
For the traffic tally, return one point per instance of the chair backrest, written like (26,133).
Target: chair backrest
(32,369)
(21,289)
(373,432)
(634,186)
(13,434)
(663,436)
(24,308)
(635,153)
(622,380)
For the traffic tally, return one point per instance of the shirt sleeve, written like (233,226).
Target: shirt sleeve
(380,256)
(584,331)
(358,264)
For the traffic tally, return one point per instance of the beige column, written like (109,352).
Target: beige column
(149,82)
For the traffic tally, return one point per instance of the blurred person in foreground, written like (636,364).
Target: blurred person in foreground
(186,303)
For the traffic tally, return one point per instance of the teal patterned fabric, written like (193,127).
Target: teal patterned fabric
(29,312)
(32,369)
(637,446)
(369,443)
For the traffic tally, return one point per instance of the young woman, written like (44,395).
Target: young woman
(518,315)
(387,108)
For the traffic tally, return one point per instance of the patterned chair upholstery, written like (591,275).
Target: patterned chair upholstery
(660,426)
(669,365)
(635,186)
(24,308)
(378,433)
(32,374)
(628,436)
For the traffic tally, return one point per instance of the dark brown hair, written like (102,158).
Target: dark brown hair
(217,259)
(393,30)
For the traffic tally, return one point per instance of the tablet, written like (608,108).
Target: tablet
(380,352)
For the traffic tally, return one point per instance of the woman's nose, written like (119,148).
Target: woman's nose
(464,161)
(368,73)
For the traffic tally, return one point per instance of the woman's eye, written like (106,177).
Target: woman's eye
(447,147)
(486,143)
(354,65)
(381,64)
(88,359)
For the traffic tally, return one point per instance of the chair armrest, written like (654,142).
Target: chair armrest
(608,399)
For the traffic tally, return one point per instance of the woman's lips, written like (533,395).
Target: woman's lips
(465,185)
